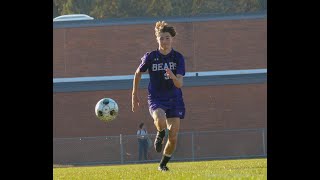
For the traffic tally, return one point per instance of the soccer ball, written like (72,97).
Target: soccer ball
(106,109)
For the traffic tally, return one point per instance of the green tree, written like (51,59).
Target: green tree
(55,10)
(182,7)
(159,8)
(101,9)
(134,8)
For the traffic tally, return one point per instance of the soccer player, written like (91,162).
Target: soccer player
(166,68)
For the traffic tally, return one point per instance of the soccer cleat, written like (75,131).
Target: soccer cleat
(158,143)
(163,168)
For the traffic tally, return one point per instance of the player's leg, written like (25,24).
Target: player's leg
(173,125)
(174,115)
(159,117)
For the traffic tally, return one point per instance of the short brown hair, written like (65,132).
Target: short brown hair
(162,27)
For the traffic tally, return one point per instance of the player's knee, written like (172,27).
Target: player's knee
(159,115)
(173,139)
(160,123)
(159,119)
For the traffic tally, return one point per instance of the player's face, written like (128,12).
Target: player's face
(164,40)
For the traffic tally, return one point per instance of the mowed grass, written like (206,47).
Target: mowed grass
(213,169)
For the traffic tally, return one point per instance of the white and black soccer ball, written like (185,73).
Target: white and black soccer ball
(106,109)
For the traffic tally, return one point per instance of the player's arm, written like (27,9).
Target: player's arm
(177,79)
(180,72)
(136,81)
(135,98)
(143,67)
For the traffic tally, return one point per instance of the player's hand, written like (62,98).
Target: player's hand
(170,74)
(135,102)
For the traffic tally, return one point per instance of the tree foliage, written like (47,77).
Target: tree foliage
(101,9)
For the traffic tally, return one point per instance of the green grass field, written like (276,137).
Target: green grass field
(213,169)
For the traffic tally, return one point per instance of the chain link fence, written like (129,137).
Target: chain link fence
(191,146)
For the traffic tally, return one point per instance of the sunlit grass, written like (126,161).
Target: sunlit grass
(214,169)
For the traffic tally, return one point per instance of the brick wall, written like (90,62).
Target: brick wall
(208,108)
(117,49)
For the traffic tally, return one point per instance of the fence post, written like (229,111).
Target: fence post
(192,146)
(263,141)
(121,149)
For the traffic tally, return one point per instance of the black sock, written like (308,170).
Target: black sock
(164,160)
(162,133)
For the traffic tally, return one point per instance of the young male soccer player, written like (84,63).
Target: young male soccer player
(166,68)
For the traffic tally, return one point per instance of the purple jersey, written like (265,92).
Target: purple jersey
(160,86)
